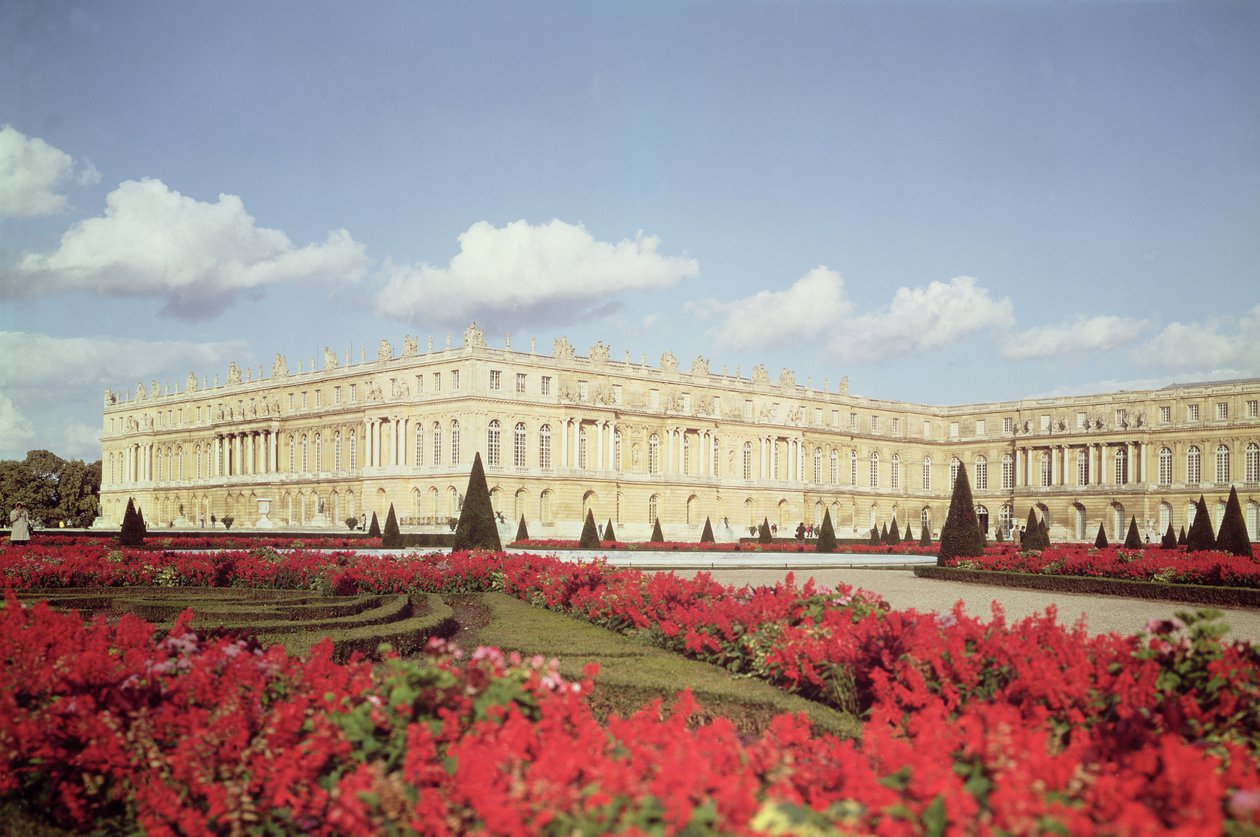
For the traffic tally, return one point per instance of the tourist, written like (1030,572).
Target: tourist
(800,532)
(19,525)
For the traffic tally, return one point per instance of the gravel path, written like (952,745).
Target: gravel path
(902,590)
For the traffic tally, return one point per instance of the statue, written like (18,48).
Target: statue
(279,367)
(140,393)
(110,398)
(562,348)
(191,384)
(787,378)
(760,375)
(234,374)
(474,338)
(844,385)
(669,363)
(700,366)
(155,389)
(411,347)
(330,358)
(384,351)
(599,353)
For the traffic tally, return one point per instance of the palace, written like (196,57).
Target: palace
(563,433)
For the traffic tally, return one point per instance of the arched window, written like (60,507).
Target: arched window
(544,447)
(874,469)
(208,460)
(894,471)
(1008,472)
(1045,468)
(853,468)
(1165,515)
(319,452)
(545,508)
(750,512)
(686,453)
(1250,515)
(1122,466)
(1251,465)
(982,474)
(747,461)
(1118,523)
(1192,465)
(1004,519)
(1222,463)
(1165,467)
(337,451)
(654,454)
(453,502)
(518,450)
(835,467)
(292,455)
(617,450)
(927,473)
(493,440)
(354,449)
(653,504)
(306,447)
(954,464)
(437,443)
(454,442)
(818,460)
(925,520)
(713,460)
(581,456)
(419,445)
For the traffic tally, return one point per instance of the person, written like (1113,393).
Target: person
(363,522)
(774,529)
(19,525)
(800,532)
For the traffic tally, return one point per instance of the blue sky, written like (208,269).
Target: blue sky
(946,202)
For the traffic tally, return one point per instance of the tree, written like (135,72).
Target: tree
(609,534)
(925,536)
(1169,541)
(133,531)
(763,534)
(374,528)
(909,536)
(1132,540)
(1200,536)
(960,536)
(706,536)
(1035,537)
(883,535)
(657,535)
(590,535)
(477,528)
(1233,535)
(826,535)
(1181,537)
(894,532)
(1100,541)
(52,489)
(391,538)
(522,534)
(875,536)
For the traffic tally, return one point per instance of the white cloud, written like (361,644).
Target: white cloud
(554,272)
(17,433)
(1228,343)
(196,256)
(1084,334)
(30,170)
(816,309)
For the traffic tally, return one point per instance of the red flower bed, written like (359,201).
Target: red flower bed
(1149,564)
(728,546)
(970,725)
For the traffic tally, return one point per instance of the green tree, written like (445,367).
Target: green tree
(1100,541)
(925,536)
(908,536)
(894,532)
(1169,541)
(657,535)
(477,528)
(590,534)
(1233,535)
(609,533)
(374,528)
(763,534)
(960,536)
(53,489)
(883,534)
(1035,537)
(1200,537)
(133,531)
(391,538)
(706,536)
(1132,540)
(522,534)
(826,535)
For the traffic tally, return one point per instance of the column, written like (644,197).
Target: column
(1054,465)
(1102,464)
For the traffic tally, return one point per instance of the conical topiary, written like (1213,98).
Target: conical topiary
(894,533)
(1045,533)
(132,532)
(960,536)
(374,530)
(1169,541)
(1101,540)
(907,537)
(1132,540)
(763,534)
(477,528)
(391,538)
(1200,537)
(883,535)
(522,533)
(609,533)
(1233,535)
(826,534)
(875,536)
(1181,537)
(590,534)
(657,535)
(706,536)
(1034,533)
(998,537)
(925,536)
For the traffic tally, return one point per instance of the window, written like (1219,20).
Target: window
(1045,469)
(853,421)
(1253,410)
(354,393)
(319,397)
(1192,465)
(953,430)
(835,418)
(894,471)
(319,452)
(835,467)
(518,445)
(927,473)
(1082,468)
(493,439)
(979,427)
(852,467)
(617,450)
(1045,423)
(954,464)
(874,424)
(927,429)
(617,393)
(748,410)
(686,403)
(354,451)
(437,381)
(686,454)
(1082,421)
(653,502)
(1251,463)
(336,395)
(1122,465)
(818,416)
(418,446)
(305,457)
(818,461)
(581,453)
(1192,412)
(520,383)
(1165,466)
(1008,425)
(292,457)
(1222,410)
(654,454)
(1165,517)
(454,442)
(896,426)
(874,469)
(982,474)
(1004,519)
(454,379)
(496,379)
(747,461)
(546,385)
(437,443)
(584,391)
(654,399)
(304,399)
(544,447)
(1008,472)
(1222,463)
(419,385)
(292,397)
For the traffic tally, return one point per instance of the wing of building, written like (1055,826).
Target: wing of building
(563,433)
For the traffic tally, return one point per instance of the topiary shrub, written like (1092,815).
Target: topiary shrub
(657,535)
(1101,540)
(609,534)
(1132,540)
(1233,535)
(894,533)
(883,535)
(133,531)
(374,529)
(960,536)
(477,528)
(1035,537)
(352,523)
(522,534)
(706,536)
(1200,537)
(1169,541)
(228,520)
(763,534)
(826,535)
(590,535)
(908,537)
(998,537)
(1181,537)
(925,536)
(391,538)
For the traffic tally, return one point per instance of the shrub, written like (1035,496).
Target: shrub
(1169,541)
(883,534)
(657,535)
(998,537)
(826,535)
(1132,540)
(374,529)
(960,536)
(609,534)
(522,534)
(1233,535)
(1200,537)
(908,537)
(590,535)
(133,531)
(1035,536)
(894,533)
(707,535)
(763,534)
(925,536)
(391,538)
(875,536)
(1101,540)
(352,522)
(1181,538)
(477,528)
(228,520)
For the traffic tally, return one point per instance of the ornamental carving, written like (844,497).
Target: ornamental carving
(280,367)
(599,353)
(411,346)
(669,363)
(330,358)
(384,351)
(373,392)
(787,378)
(140,392)
(700,366)
(190,385)
(760,375)
(561,347)
(474,338)
(155,389)
(234,374)
(110,398)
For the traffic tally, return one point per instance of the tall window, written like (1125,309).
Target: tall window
(1122,465)
(581,463)
(874,469)
(518,445)
(419,446)
(1004,518)
(1008,472)
(853,467)
(1082,467)
(1165,466)
(492,443)
(454,442)
(617,450)
(835,466)
(1192,464)
(654,454)
(686,453)
(437,443)
(305,458)
(520,383)
(653,503)
(927,473)
(1165,516)
(747,461)
(319,452)
(894,471)
(1222,463)
(337,451)
(1045,468)
(544,447)
(982,474)
(292,455)
(1251,463)
(818,460)
(954,464)
(496,379)
(354,449)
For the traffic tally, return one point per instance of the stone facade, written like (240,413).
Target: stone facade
(566,432)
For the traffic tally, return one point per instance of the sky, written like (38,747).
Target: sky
(945,202)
